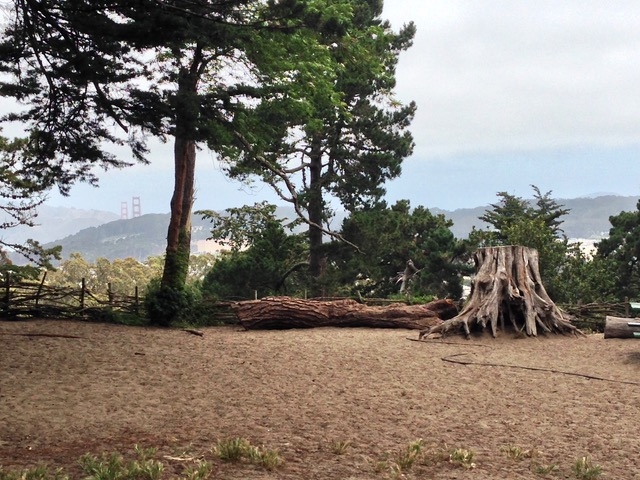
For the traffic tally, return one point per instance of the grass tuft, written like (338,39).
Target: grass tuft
(201,471)
(36,473)
(234,450)
(462,457)
(340,447)
(584,469)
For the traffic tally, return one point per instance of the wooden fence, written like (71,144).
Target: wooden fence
(592,315)
(20,299)
(24,299)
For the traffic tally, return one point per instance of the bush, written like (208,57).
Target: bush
(166,305)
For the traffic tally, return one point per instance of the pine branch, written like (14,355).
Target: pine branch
(281,174)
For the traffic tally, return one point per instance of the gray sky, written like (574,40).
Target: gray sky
(509,94)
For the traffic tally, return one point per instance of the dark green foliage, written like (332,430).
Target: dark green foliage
(166,305)
(622,251)
(512,211)
(262,267)
(568,273)
(15,273)
(583,279)
(388,238)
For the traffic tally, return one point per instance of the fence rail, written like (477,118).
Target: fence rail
(37,299)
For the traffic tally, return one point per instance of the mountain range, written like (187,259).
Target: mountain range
(97,234)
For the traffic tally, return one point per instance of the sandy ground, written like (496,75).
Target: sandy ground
(302,391)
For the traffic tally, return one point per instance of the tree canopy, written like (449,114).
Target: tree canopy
(95,74)
(622,250)
(349,139)
(388,237)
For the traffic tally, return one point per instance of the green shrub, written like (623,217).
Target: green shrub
(167,305)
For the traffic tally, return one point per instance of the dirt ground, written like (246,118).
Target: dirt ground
(303,391)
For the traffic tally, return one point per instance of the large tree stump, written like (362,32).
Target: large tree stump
(287,312)
(506,293)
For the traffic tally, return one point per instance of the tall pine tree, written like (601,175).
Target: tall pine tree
(349,140)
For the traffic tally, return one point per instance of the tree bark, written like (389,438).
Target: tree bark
(176,265)
(286,312)
(507,293)
(179,233)
(315,209)
(618,327)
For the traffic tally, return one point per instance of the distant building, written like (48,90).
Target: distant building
(209,246)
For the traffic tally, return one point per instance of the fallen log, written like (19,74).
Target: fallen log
(618,327)
(287,312)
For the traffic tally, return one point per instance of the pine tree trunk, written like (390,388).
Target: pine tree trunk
(176,265)
(315,210)
(507,294)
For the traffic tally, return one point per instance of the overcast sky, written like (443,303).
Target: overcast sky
(509,94)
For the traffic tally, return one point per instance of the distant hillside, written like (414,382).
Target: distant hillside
(139,238)
(145,236)
(53,223)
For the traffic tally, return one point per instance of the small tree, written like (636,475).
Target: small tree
(262,267)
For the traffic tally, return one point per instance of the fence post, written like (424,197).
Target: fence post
(137,300)
(627,307)
(82,289)
(44,277)
(7,293)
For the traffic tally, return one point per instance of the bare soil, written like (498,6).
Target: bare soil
(302,391)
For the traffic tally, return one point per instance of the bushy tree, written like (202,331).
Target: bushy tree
(388,237)
(622,251)
(123,274)
(586,279)
(261,267)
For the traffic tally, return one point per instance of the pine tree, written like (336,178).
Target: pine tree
(347,141)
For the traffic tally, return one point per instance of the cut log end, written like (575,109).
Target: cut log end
(618,327)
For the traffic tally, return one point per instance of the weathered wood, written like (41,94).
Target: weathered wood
(507,293)
(618,327)
(288,312)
